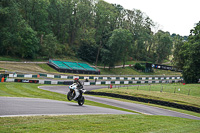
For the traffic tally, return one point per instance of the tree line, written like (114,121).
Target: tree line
(89,29)
(93,30)
(187,55)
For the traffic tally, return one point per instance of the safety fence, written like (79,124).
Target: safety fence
(97,77)
(40,81)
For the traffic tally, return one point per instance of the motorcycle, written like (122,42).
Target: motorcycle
(75,94)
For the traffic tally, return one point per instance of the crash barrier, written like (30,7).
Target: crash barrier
(145,100)
(40,81)
(91,83)
(152,77)
(131,82)
(72,67)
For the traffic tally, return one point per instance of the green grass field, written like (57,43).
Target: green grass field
(176,93)
(47,68)
(131,71)
(99,123)
(86,123)
(7,58)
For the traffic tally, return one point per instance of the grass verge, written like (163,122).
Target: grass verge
(22,67)
(47,68)
(7,58)
(131,71)
(99,123)
(155,105)
(176,93)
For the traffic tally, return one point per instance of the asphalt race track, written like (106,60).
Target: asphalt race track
(15,106)
(12,106)
(149,110)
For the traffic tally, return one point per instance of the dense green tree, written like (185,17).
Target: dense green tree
(35,13)
(163,46)
(86,31)
(125,40)
(105,53)
(119,44)
(104,24)
(87,52)
(139,25)
(9,21)
(121,15)
(178,55)
(49,46)
(17,37)
(191,52)
(28,43)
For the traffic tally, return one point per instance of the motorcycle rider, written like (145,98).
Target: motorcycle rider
(76,92)
(79,85)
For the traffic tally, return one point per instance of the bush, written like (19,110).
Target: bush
(87,52)
(138,66)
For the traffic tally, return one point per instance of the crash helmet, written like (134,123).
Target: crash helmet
(76,80)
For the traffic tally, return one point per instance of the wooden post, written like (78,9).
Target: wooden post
(161,89)
(189,92)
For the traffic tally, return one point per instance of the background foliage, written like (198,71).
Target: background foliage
(93,30)
(82,28)
(187,56)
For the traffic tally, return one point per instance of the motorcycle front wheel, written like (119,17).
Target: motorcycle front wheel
(70,95)
(81,101)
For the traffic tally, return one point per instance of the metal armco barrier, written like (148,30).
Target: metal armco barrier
(92,83)
(152,77)
(26,81)
(158,102)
